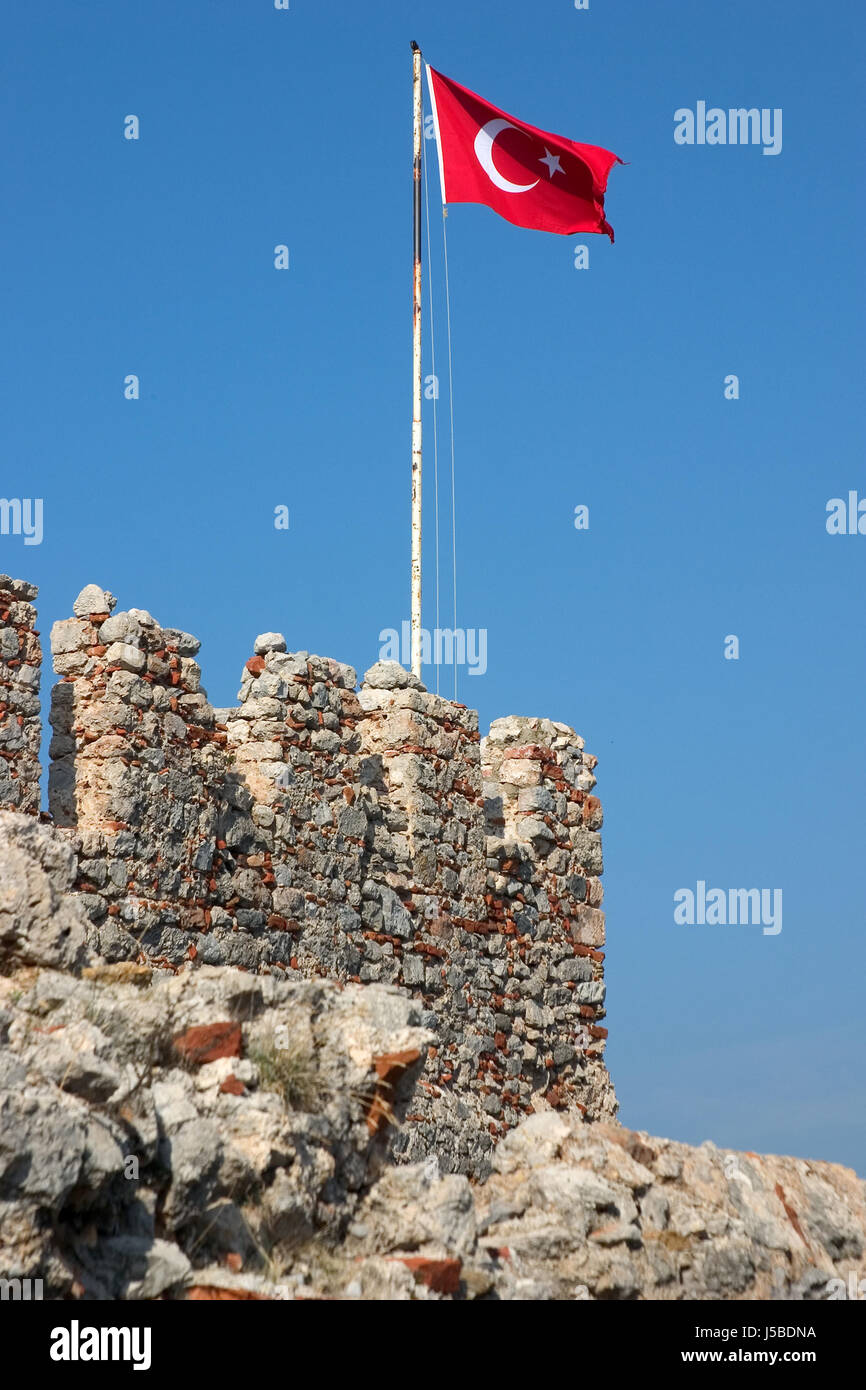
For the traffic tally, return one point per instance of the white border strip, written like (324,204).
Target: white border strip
(438,135)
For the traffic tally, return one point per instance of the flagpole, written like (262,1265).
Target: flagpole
(416,361)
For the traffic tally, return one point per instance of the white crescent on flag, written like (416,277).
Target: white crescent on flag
(484,142)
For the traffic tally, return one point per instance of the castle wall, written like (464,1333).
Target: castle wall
(294,822)
(20,725)
(361,836)
(544,893)
(135,757)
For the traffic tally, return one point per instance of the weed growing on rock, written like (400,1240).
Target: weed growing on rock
(289,1070)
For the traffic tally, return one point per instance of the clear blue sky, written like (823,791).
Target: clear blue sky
(602,387)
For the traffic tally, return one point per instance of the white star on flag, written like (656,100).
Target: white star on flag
(552,162)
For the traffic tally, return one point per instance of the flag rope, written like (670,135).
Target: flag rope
(435,396)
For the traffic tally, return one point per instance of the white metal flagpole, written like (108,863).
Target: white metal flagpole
(418,134)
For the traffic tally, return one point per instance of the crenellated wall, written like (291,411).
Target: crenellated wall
(20,726)
(544,894)
(364,835)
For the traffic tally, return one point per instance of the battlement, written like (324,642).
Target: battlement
(20,728)
(358,834)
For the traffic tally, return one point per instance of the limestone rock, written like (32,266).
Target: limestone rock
(269,642)
(39,924)
(390,675)
(93,599)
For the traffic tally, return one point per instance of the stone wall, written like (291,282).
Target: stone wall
(20,726)
(135,759)
(544,893)
(360,836)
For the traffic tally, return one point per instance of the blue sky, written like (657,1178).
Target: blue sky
(602,387)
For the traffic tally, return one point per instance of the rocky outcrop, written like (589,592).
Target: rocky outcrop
(206,1133)
(596,1211)
(154,1124)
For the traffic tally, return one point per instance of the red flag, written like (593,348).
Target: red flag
(528,176)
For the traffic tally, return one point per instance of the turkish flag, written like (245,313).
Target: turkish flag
(528,176)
